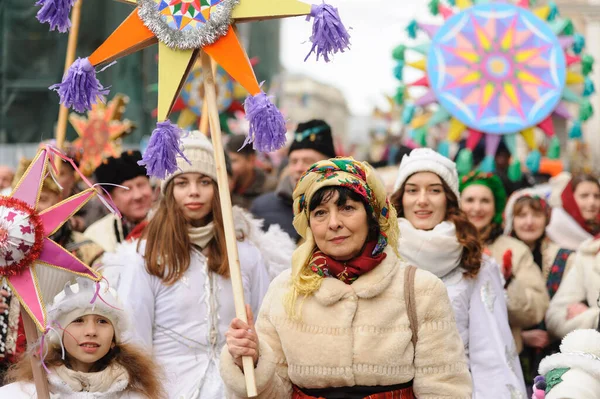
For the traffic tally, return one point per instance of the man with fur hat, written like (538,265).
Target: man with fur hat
(131,192)
(312,143)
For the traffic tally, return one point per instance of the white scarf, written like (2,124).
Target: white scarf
(565,231)
(437,251)
(201,236)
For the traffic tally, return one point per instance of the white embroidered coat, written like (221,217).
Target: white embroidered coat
(482,320)
(184,324)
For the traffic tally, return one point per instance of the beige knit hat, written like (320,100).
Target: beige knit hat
(199,151)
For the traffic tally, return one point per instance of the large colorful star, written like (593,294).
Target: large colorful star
(99,132)
(501,69)
(177,32)
(35,267)
(493,70)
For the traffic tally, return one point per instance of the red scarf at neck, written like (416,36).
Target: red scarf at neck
(570,206)
(346,271)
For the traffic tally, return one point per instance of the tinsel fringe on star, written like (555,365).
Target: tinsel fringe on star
(216,27)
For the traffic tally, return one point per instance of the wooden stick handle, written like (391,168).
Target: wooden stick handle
(204,115)
(63,113)
(39,375)
(210,96)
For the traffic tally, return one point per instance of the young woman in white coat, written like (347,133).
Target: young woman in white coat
(483,200)
(96,363)
(176,280)
(435,235)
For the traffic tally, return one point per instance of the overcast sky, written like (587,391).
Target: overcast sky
(365,72)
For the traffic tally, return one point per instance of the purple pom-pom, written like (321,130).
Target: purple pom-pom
(160,157)
(80,88)
(328,32)
(539,378)
(267,125)
(56,13)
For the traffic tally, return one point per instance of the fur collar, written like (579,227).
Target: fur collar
(113,379)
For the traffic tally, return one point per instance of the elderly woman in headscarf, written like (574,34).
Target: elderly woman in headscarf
(350,319)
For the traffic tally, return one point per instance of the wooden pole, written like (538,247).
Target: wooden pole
(210,97)
(39,375)
(63,113)
(204,115)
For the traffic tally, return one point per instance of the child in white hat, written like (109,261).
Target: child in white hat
(84,351)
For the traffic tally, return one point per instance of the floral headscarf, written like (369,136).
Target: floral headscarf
(357,176)
(492,182)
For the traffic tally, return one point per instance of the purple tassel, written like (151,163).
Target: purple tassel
(56,13)
(267,125)
(80,88)
(160,157)
(328,34)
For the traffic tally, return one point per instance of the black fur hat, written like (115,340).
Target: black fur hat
(118,170)
(314,135)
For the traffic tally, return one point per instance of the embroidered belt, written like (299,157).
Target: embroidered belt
(399,391)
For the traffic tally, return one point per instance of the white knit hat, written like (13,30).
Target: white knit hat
(427,160)
(74,302)
(580,356)
(199,151)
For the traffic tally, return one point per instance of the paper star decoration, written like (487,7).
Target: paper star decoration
(494,70)
(35,267)
(100,133)
(183,28)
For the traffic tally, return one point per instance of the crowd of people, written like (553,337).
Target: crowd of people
(447,287)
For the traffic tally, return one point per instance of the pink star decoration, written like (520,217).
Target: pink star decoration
(35,267)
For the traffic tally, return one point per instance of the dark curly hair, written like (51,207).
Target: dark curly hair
(466,232)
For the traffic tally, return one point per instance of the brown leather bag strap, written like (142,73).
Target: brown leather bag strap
(409,299)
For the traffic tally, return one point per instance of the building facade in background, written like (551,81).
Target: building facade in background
(302,98)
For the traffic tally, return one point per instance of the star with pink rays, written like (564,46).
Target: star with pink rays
(26,251)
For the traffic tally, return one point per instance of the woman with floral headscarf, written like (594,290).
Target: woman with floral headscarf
(526,216)
(483,199)
(340,323)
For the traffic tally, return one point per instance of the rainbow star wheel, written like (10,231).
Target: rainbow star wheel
(492,71)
